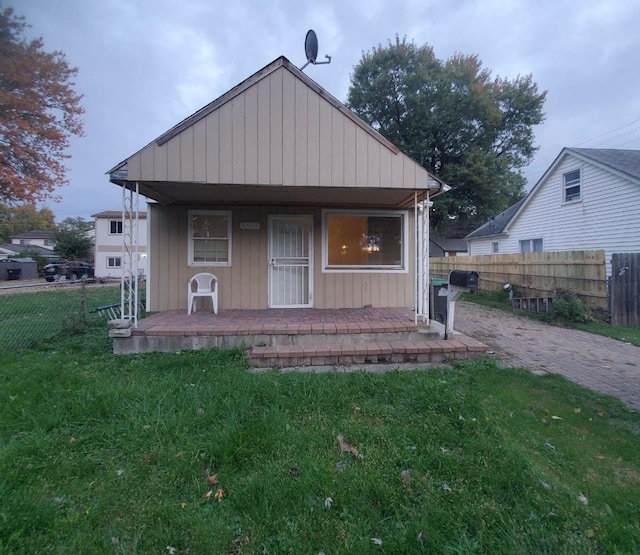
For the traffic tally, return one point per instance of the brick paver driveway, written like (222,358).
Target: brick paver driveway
(599,363)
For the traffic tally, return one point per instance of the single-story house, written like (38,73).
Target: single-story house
(288,197)
(568,209)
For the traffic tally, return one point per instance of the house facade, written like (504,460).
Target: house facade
(108,252)
(287,197)
(588,199)
(43,239)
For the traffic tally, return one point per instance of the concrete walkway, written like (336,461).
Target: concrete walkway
(605,365)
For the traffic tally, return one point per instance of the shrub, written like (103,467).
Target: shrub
(567,307)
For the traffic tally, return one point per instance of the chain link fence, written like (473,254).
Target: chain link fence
(34,313)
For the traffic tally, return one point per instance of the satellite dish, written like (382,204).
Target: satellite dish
(311,50)
(311,46)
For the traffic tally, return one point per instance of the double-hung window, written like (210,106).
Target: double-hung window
(571,186)
(531,245)
(365,241)
(209,238)
(114,262)
(115,227)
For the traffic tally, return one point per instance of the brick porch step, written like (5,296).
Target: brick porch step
(377,352)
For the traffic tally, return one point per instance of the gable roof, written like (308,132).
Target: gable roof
(498,224)
(34,235)
(36,249)
(280,138)
(626,162)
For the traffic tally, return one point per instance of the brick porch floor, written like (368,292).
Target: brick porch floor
(301,337)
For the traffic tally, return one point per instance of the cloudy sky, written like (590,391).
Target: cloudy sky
(144,65)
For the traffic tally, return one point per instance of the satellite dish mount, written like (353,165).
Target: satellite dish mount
(311,50)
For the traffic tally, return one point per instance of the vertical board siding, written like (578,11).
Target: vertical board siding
(263,133)
(187,162)
(279,131)
(200,151)
(244,284)
(251,129)
(625,289)
(301,136)
(276,123)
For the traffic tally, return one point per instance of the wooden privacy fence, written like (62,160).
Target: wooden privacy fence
(625,289)
(536,274)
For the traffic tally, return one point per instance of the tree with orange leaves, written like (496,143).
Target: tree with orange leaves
(39,112)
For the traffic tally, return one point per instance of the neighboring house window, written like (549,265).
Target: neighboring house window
(364,241)
(115,227)
(24,241)
(531,245)
(48,243)
(571,186)
(495,247)
(209,238)
(114,262)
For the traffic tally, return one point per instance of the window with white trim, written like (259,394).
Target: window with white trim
(531,245)
(115,227)
(571,186)
(114,262)
(495,247)
(364,241)
(209,238)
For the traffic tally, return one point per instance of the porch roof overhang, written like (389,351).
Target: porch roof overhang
(172,193)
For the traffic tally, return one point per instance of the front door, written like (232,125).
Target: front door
(290,261)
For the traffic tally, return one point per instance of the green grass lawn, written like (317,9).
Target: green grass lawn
(111,454)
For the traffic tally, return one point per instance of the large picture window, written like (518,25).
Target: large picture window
(364,241)
(209,238)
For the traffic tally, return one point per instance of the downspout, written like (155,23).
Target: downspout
(417,275)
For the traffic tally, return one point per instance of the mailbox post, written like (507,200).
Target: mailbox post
(460,281)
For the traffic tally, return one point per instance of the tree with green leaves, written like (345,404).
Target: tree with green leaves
(72,244)
(473,131)
(24,217)
(39,112)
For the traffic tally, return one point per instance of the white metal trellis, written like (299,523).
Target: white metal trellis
(130,255)
(421,215)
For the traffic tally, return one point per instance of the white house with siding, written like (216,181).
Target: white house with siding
(588,199)
(108,244)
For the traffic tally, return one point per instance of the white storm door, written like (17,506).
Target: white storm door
(290,261)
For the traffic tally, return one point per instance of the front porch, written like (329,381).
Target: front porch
(300,337)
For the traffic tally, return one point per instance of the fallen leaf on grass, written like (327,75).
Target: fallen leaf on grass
(346,447)
(600,457)
(446,488)
(219,494)
(212,480)
(183,505)
(171,550)
(583,499)
(178,454)
(328,502)
(556,418)
(376,541)
(208,494)
(576,411)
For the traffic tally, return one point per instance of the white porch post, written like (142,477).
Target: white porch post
(421,210)
(130,256)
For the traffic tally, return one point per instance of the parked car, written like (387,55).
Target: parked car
(71,270)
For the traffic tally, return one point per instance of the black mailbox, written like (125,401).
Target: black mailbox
(464,278)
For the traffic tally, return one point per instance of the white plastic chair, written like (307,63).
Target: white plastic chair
(206,286)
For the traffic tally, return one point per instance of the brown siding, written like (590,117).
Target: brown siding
(244,284)
(278,131)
